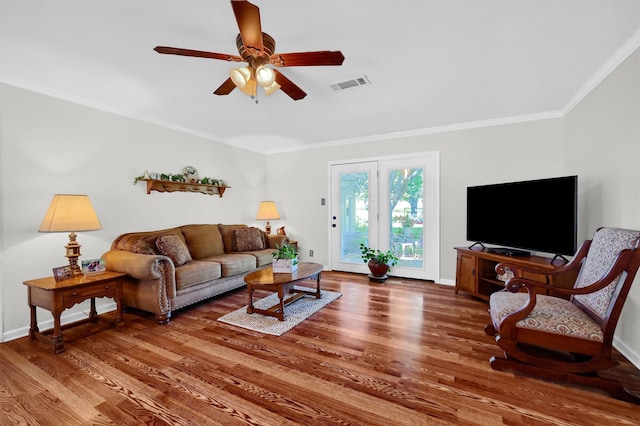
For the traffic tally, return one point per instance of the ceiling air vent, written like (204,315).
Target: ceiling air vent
(359,81)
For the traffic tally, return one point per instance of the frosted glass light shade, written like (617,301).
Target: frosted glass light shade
(250,88)
(266,77)
(240,76)
(270,89)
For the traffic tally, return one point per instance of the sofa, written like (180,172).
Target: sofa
(170,269)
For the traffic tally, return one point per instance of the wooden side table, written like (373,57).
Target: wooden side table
(55,296)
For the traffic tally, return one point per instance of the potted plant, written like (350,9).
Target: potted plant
(379,262)
(285,259)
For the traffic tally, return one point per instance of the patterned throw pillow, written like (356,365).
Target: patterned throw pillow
(143,246)
(248,239)
(173,247)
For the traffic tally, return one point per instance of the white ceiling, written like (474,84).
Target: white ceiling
(433,64)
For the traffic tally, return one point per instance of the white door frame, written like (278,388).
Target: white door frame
(431,210)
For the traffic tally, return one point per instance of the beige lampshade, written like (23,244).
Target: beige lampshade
(267,211)
(70,213)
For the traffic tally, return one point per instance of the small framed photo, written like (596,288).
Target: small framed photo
(62,273)
(93,266)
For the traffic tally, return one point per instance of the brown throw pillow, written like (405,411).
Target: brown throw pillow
(173,247)
(248,239)
(143,246)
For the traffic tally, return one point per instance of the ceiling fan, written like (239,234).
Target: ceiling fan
(258,50)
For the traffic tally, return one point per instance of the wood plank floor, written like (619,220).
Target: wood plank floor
(406,352)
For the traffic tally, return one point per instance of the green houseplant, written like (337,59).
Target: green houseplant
(285,259)
(379,262)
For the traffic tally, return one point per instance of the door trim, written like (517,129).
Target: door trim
(435,186)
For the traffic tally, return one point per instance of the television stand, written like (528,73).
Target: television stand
(508,252)
(476,271)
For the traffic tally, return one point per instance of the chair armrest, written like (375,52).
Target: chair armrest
(514,285)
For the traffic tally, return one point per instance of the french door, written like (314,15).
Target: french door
(387,204)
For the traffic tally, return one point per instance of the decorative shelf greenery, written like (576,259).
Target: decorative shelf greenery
(183,182)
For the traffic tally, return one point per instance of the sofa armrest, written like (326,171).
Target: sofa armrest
(277,240)
(139,266)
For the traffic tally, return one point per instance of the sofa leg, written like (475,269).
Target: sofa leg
(163,318)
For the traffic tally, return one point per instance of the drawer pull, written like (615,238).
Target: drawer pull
(75,293)
(107,286)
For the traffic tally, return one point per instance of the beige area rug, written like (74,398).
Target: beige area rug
(294,314)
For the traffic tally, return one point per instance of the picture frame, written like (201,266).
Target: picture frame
(62,273)
(93,266)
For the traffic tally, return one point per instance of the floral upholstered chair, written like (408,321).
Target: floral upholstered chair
(566,334)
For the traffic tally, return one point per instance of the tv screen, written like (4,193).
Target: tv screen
(536,215)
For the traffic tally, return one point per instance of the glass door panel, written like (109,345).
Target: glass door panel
(354,206)
(406,189)
(409,211)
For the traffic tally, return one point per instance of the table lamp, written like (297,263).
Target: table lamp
(267,211)
(70,213)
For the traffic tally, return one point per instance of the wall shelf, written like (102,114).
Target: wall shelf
(171,186)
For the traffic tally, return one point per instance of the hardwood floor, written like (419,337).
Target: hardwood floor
(406,352)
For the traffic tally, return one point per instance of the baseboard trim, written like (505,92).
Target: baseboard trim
(627,352)
(64,319)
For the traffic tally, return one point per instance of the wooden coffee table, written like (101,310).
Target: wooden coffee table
(283,284)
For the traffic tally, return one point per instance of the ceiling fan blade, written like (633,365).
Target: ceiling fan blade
(248,18)
(225,88)
(324,57)
(289,87)
(197,53)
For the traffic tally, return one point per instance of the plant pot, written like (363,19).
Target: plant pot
(286,266)
(378,269)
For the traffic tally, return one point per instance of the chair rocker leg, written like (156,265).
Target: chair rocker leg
(553,360)
(490,330)
(611,386)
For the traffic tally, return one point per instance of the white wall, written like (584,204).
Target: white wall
(50,146)
(467,157)
(603,148)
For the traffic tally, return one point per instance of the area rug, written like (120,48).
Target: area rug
(294,314)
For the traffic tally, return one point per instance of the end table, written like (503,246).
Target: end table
(56,296)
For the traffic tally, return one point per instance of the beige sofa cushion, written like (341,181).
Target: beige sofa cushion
(227,235)
(196,272)
(174,248)
(203,240)
(235,263)
(263,257)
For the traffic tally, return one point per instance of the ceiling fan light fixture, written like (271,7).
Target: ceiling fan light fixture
(265,76)
(250,88)
(272,88)
(240,77)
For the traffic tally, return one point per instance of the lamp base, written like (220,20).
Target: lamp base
(73,253)
(268,228)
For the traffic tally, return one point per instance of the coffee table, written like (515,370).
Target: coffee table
(283,284)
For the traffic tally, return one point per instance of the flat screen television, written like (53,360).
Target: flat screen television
(535,215)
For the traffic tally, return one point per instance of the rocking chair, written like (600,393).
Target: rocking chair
(570,338)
